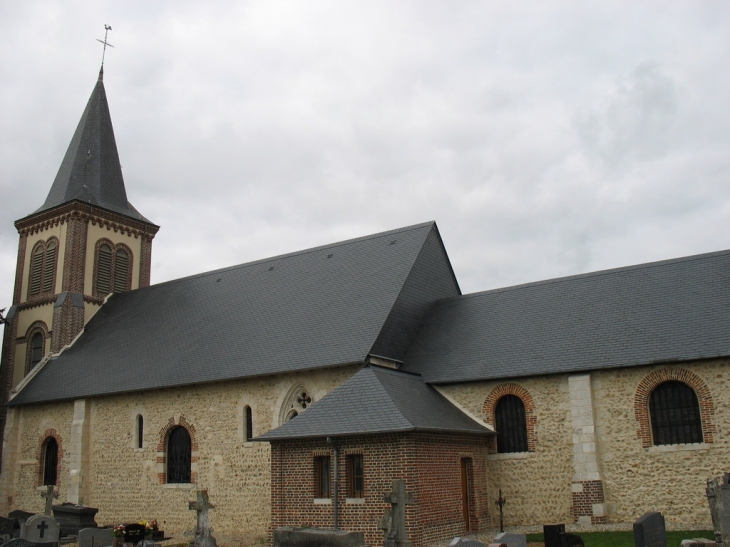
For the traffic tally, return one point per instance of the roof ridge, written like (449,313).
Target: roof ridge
(294,253)
(597,273)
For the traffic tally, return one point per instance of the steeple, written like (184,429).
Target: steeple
(90,171)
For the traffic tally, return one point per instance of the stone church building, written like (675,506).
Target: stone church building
(294,389)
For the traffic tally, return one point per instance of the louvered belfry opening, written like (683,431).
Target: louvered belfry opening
(49,264)
(675,414)
(50,462)
(104,270)
(511,424)
(178,456)
(36,270)
(121,271)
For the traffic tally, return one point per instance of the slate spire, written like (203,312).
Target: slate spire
(90,171)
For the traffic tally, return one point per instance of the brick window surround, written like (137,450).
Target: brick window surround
(41,456)
(163,437)
(38,327)
(490,404)
(651,381)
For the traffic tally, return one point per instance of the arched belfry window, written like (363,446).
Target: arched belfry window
(113,268)
(511,424)
(50,461)
(43,268)
(35,338)
(675,414)
(179,452)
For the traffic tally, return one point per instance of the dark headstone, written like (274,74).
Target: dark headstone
(73,518)
(95,537)
(290,536)
(133,532)
(19,516)
(7,526)
(553,534)
(571,540)
(649,531)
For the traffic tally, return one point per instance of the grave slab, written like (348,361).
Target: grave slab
(19,542)
(511,540)
(73,518)
(291,536)
(465,542)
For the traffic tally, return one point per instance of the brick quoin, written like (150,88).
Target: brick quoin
(651,381)
(591,492)
(429,464)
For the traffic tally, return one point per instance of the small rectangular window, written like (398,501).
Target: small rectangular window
(354,476)
(322,477)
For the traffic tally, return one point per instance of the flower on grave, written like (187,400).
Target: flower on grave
(118,531)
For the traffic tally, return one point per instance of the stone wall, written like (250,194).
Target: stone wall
(535,484)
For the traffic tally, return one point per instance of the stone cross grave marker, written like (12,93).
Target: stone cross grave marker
(649,530)
(203,531)
(49,495)
(398,499)
(718,496)
(40,529)
(95,537)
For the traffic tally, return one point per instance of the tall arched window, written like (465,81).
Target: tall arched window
(675,414)
(36,349)
(179,454)
(248,415)
(43,267)
(140,431)
(511,424)
(112,269)
(50,462)
(35,338)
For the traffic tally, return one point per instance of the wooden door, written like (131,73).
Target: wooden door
(465,489)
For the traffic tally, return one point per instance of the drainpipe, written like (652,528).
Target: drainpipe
(336,454)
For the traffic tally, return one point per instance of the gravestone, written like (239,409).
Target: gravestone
(465,542)
(698,542)
(718,496)
(134,533)
(18,542)
(511,540)
(40,529)
(553,534)
(649,530)
(95,537)
(73,518)
(291,536)
(398,498)
(571,540)
(49,495)
(7,528)
(203,531)
(19,517)
(497,545)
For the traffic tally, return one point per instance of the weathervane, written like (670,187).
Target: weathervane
(107,28)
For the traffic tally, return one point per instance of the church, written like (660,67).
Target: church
(296,388)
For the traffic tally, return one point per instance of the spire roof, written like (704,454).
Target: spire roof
(90,171)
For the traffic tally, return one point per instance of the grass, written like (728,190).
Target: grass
(626,539)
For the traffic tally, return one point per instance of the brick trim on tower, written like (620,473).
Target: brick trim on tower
(75,254)
(145,261)
(651,381)
(19,269)
(490,404)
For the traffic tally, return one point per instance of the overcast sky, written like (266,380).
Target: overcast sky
(544,138)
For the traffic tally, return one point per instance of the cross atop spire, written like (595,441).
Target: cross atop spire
(107,28)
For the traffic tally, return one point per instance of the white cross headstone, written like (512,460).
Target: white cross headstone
(41,529)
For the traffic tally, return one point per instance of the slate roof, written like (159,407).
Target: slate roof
(378,400)
(669,311)
(90,171)
(318,308)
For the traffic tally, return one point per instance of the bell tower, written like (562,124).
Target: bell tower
(83,244)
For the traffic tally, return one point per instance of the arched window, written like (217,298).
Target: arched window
(675,414)
(511,424)
(113,268)
(50,462)
(179,454)
(36,349)
(140,431)
(43,267)
(248,415)
(35,337)
(297,402)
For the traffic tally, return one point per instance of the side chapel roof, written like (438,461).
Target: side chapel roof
(378,400)
(661,312)
(90,171)
(318,308)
